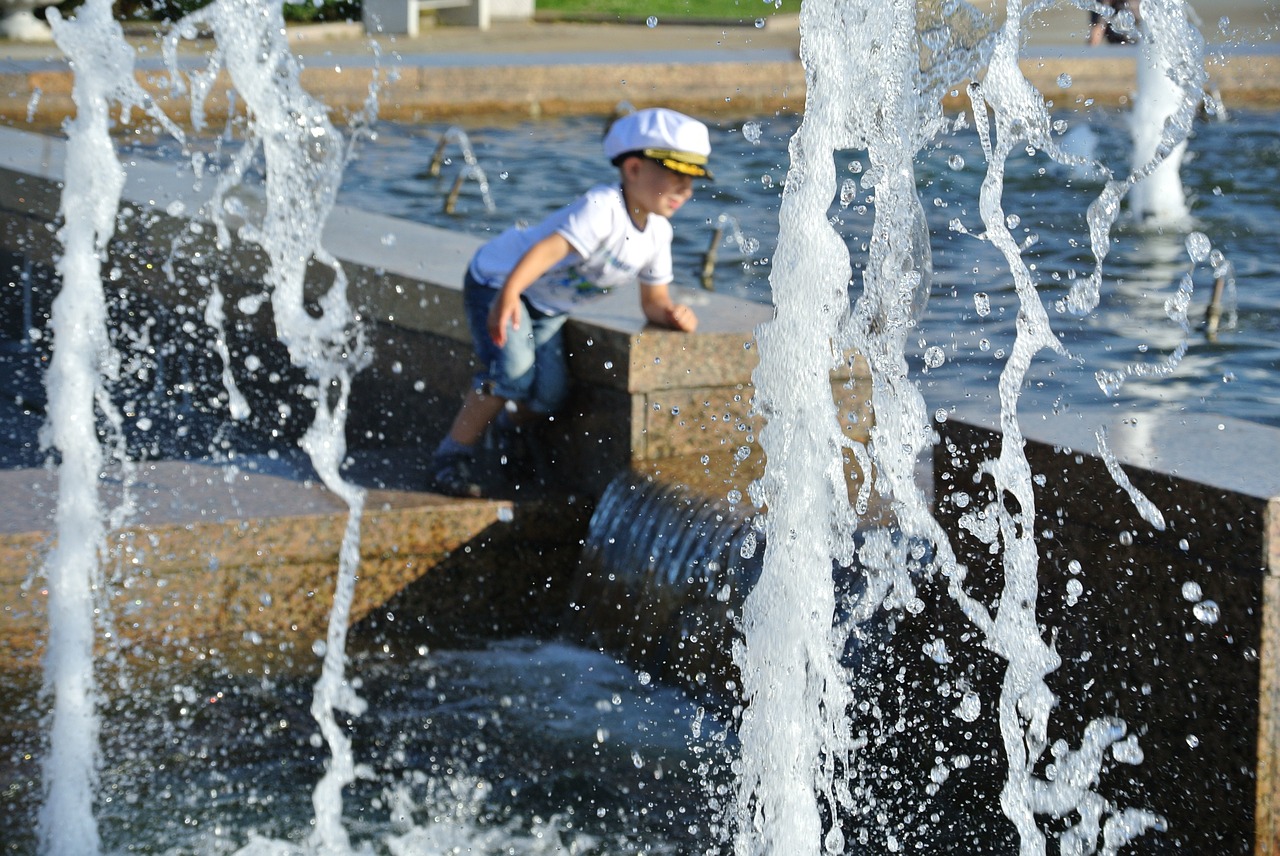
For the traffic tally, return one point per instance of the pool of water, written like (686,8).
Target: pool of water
(520,747)
(1229,173)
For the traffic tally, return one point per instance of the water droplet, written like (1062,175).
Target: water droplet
(970,707)
(748,545)
(644,679)
(1193,741)
(1127,751)
(940,415)
(960,499)
(956,162)
(734,496)
(1074,566)
(766,181)
(1191,591)
(984,344)
(982,304)
(936,650)
(1012,221)
(319,647)
(1198,246)
(759,23)
(1207,612)
(934,357)
(752,132)
(505,514)
(636,760)
(1125,538)
(848,192)
(1228,377)
(1075,588)
(652,21)
(1064,80)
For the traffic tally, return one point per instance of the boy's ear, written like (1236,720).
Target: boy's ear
(630,167)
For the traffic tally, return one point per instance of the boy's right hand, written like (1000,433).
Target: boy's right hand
(536,261)
(504,312)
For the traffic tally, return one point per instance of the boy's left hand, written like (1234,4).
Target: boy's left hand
(681,317)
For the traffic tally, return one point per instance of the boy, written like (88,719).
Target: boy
(520,286)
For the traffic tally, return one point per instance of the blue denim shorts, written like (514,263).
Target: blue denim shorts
(531,368)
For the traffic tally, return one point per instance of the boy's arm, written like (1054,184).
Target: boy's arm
(536,261)
(660,309)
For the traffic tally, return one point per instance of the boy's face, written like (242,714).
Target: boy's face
(651,188)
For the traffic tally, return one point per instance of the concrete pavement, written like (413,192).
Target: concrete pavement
(534,68)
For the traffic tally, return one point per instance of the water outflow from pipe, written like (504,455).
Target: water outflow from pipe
(304,155)
(876,71)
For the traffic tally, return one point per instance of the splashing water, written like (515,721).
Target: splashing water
(81,362)
(1171,78)
(304,158)
(877,69)
(875,73)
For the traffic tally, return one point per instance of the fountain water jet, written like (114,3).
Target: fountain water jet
(1171,78)
(82,360)
(869,88)
(304,156)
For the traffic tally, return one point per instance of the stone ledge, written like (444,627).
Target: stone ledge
(222,561)
(1131,643)
(717,87)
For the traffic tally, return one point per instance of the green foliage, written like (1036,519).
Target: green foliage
(172,10)
(670,9)
(329,10)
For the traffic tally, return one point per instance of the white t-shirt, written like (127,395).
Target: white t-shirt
(608,252)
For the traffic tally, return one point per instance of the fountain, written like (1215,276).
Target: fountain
(869,90)
(470,169)
(795,789)
(303,154)
(745,246)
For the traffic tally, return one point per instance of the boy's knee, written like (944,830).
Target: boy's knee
(549,402)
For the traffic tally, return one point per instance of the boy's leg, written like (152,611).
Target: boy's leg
(479,409)
(550,384)
(551,379)
(517,434)
(453,460)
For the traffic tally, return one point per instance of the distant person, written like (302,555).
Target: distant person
(519,286)
(1100,25)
